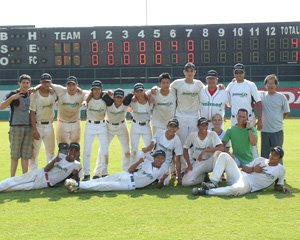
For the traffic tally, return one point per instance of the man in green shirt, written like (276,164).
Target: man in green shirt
(242,137)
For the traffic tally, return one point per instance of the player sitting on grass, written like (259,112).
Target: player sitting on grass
(140,174)
(55,171)
(259,174)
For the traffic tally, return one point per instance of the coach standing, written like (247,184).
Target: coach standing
(20,132)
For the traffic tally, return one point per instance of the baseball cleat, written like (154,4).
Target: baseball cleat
(71,185)
(209,185)
(96,177)
(199,191)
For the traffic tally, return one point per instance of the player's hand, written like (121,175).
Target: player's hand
(36,134)
(189,168)
(154,90)
(145,149)
(221,86)
(258,169)
(286,190)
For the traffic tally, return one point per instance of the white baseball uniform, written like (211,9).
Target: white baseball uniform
(196,146)
(68,125)
(163,111)
(212,104)
(241,182)
(96,127)
(38,178)
(142,177)
(240,96)
(140,126)
(44,110)
(117,125)
(188,104)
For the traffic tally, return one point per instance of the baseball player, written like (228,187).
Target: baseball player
(204,146)
(170,143)
(54,172)
(140,174)
(217,123)
(95,127)
(260,174)
(164,104)
(140,126)
(69,104)
(187,92)
(243,94)
(42,114)
(213,99)
(117,125)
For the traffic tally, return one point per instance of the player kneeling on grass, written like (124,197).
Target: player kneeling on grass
(259,174)
(140,174)
(55,171)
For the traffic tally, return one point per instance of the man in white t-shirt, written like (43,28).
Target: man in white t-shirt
(244,94)
(213,99)
(140,174)
(200,150)
(259,174)
(54,172)
(41,108)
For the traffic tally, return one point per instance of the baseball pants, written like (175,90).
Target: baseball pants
(136,132)
(93,130)
(116,182)
(68,132)
(46,132)
(34,179)
(121,131)
(237,180)
(197,175)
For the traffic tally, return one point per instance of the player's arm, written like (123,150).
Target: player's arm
(285,115)
(187,159)
(9,100)
(178,169)
(75,174)
(127,99)
(134,166)
(107,99)
(252,169)
(51,164)
(258,107)
(149,147)
(252,136)
(160,183)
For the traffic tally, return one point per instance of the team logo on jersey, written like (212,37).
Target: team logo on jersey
(209,104)
(240,94)
(96,110)
(190,94)
(48,106)
(74,105)
(164,104)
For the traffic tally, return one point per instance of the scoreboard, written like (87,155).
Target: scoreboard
(122,54)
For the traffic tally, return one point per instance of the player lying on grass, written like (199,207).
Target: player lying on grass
(140,174)
(259,174)
(55,171)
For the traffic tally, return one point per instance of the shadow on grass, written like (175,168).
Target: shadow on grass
(59,192)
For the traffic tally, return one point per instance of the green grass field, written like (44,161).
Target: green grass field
(170,213)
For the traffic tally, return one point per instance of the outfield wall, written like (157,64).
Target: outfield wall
(290,89)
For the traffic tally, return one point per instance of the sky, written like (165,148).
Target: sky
(87,13)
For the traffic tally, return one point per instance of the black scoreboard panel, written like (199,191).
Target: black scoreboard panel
(121,54)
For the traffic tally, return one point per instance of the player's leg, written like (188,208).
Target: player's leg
(276,139)
(33,161)
(26,149)
(75,132)
(146,135)
(63,132)
(89,137)
(134,140)
(123,137)
(115,182)
(23,182)
(265,144)
(15,139)
(239,188)
(49,142)
(102,158)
